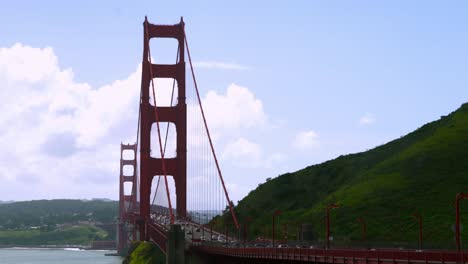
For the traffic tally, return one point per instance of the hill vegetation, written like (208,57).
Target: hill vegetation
(144,253)
(76,235)
(57,222)
(418,173)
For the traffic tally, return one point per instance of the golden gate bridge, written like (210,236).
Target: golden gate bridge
(178,162)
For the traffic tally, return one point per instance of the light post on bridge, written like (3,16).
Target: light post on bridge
(298,231)
(247,220)
(191,223)
(458,198)
(203,227)
(419,219)
(227,234)
(329,207)
(285,231)
(211,232)
(363,227)
(276,213)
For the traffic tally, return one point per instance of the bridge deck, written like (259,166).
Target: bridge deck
(157,233)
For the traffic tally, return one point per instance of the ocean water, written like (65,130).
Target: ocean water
(52,256)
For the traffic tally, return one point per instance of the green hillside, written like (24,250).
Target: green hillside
(75,235)
(57,222)
(51,212)
(418,173)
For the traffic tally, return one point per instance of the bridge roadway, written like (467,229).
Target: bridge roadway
(231,249)
(194,233)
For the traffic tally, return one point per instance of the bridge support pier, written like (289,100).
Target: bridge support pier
(122,243)
(175,245)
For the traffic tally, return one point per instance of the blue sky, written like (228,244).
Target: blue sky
(332,77)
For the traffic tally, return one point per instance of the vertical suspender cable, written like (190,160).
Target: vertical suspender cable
(209,137)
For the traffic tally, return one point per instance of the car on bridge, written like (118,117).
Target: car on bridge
(260,245)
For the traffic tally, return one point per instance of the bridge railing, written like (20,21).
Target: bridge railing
(348,256)
(157,234)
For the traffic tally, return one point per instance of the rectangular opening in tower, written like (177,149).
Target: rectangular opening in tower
(166,91)
(163,50)
(159,200)
(128,170)
(169,143)
(128,188)
(128,154)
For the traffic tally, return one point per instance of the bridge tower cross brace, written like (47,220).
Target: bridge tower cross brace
(150,166)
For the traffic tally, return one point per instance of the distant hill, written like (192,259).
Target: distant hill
(57,222)
(418,173)
(51,212)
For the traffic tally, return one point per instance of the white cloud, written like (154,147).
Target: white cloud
(367,119)
(24,63)
(243,152)
(60,137)
(236,109)
(306,139)
(228,114)
(60,133)
(219,65)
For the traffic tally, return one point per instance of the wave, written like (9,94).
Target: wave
(58,248)
(45,248)
(29,248)
(73,249)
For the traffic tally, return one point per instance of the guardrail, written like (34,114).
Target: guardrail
(340,256)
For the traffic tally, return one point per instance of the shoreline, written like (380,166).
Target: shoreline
(64,247)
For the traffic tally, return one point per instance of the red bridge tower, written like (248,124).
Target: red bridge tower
(127,202)
(150,166)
